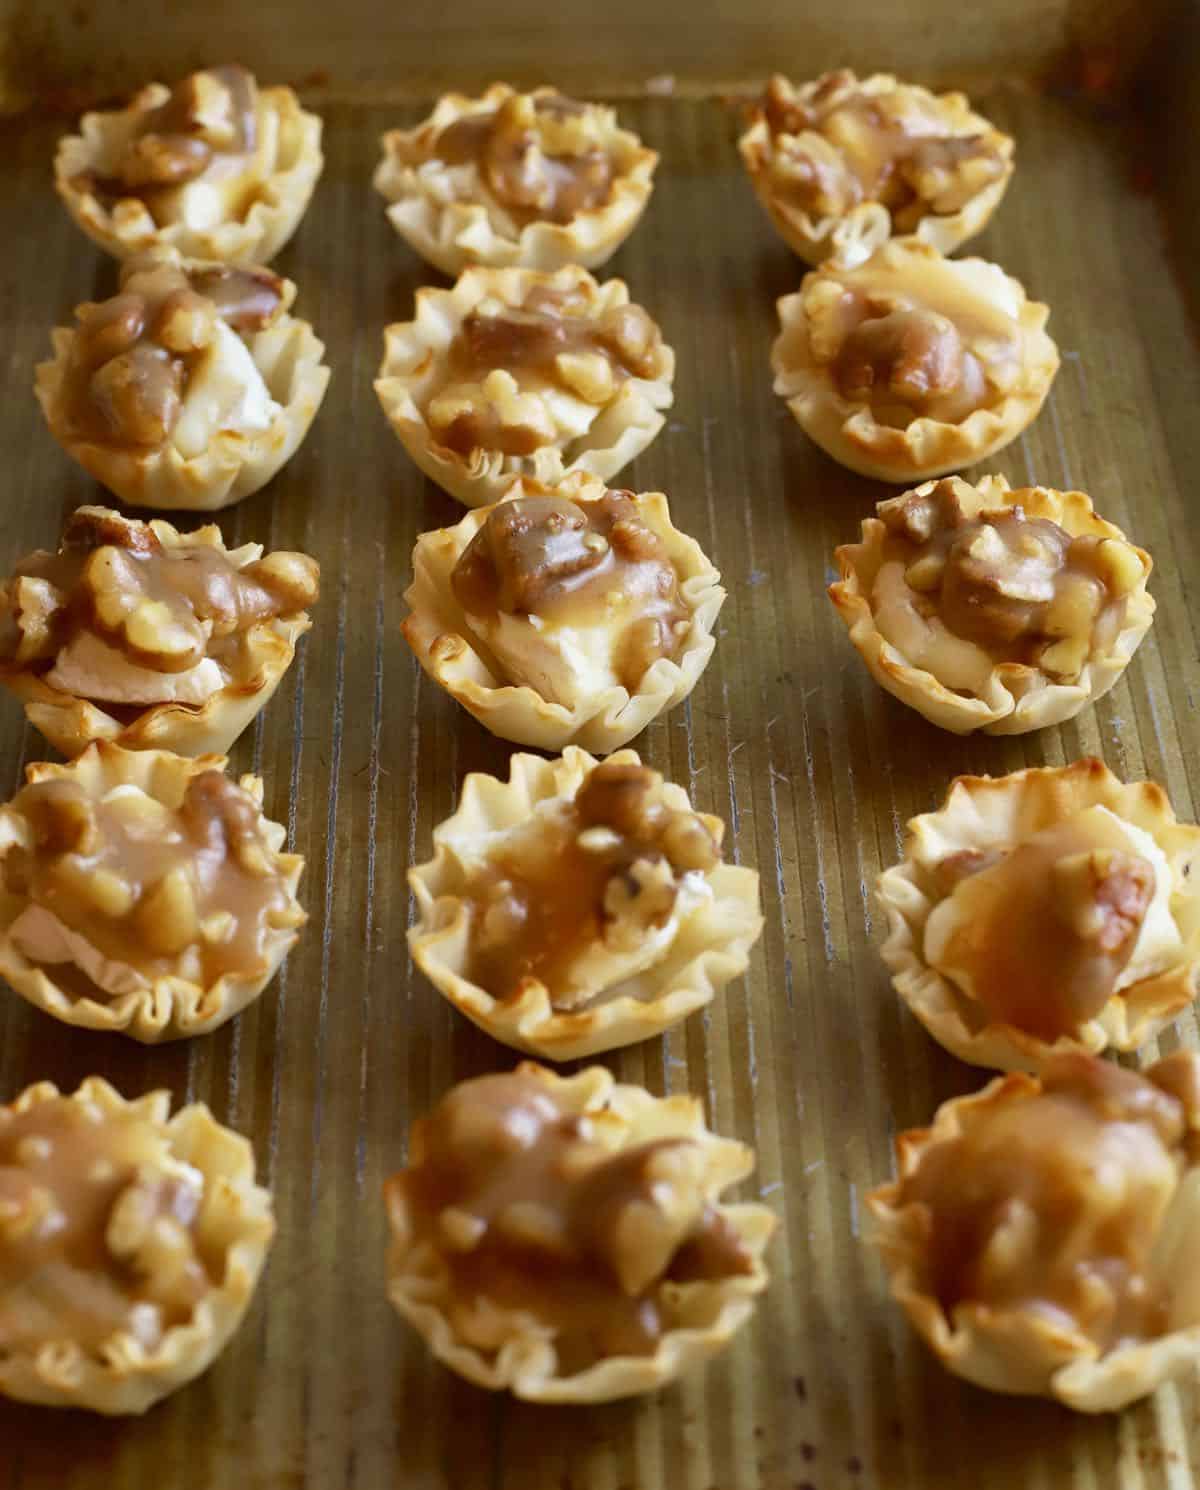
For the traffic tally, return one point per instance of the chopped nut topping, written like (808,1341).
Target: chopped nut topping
(127,882)
(1077,892)
(97,1230)
(505,357)
(530,1211)
(835,145)
(914,358)
(561,561)
(1049,1201)
(603,870)
(132,356)
(1022,589)
(164,610)
(208,115)
(541,158)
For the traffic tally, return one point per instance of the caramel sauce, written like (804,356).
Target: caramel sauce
(173,144)
(1046,931)
(1015,586)
(549,324)
(881,155)
(111,574)
(144,883)
(529,1211)
(1050,1201)
(531,185)
(546,896)
(562,561)
(65,1167)
(131,356)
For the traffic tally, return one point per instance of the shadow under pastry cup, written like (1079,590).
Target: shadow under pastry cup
(1050,910)
(596,891)
(561,373)
(841,164)
(174,1228)
(1041,1235)
(598,712)
(631,1271)
(143,894)
(215,167)
(908,365)
(991,608)
(51,640)
(509,179)
(190,389)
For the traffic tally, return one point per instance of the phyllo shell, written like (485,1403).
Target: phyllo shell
(709,943)
(287,358)
(976,321)
(1016,696)
(700,1316)
(446,212)
(1114,1237)
(598,432)
(776,158)
(234,1225)
(984,817)
(70,722)
(150,1006)
(284,179)
(441,637)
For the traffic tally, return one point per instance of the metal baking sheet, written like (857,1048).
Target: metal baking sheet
(810,1057)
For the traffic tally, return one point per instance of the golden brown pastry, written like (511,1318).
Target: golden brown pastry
(580,906)
(1053,909)
(136,633)
(517,373)
(908,365)
(564,1237)
(130,1245)
(993,609)
(1042,1236)
(143,893)
(841,164)
(529,179)
(190,388)
(565,616)
(215,166)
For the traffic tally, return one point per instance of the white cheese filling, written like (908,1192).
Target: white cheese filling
(89,668)
(225,393)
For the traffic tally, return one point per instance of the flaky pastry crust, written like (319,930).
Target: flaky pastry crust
(984,812)
(437,633)
(235,1222)
(414,366)
(846,428)
(704,1315)
(1018,697)
(71,723)
(127,227)
(170,1007)
(710,948)
(452,220)
(859,230)
(1016,1351)
(288,355)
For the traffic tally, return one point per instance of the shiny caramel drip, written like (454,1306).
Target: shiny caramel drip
(529,1211)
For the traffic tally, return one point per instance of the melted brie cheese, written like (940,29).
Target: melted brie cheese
(225,392)
(89,668)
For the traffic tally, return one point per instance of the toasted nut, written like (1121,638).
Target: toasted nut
(1119,565)
(166,918)
(528,1224)
(689,845)
(598,840)
(925,574)
(36,607)
(987,546)
(129,1220)
(1065,659)
(1073,609)
(186,323)
(588,375)
(293,577)
(460,1230)
(109,893)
